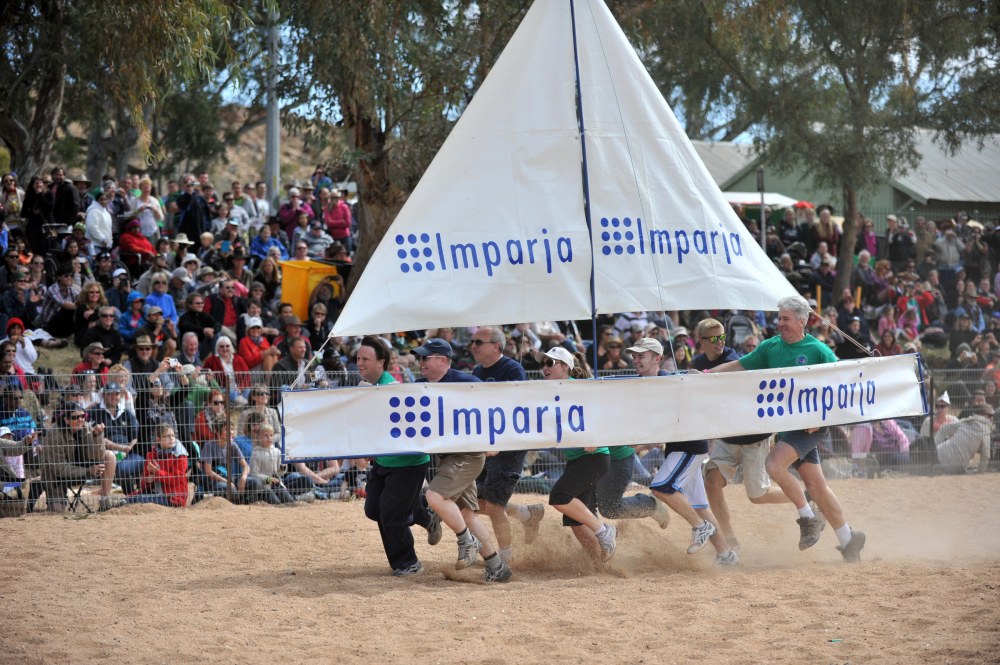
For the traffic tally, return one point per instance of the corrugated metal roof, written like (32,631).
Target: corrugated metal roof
(968,175)
(724,160)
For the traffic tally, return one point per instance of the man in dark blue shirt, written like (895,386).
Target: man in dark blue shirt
(496,483)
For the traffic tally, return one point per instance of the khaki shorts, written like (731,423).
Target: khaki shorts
(456,478)
(726,458)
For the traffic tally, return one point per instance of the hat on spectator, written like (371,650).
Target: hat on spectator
(191,258)
(181,274)
(647,344)
(254,322)
(435,346)
(93,346)
(292,321)
(182,239)
(17,276)
(110,184)
(144,340)
(14,321)
(103,255)
(892,217)
(131,224)
(558,353)
(316,224)
(944,399)
(307,185)
(111,387)
(79,177)
(680,331)
(637,326)
(207,270)
(80,226)
(294,191)
(154,310)
(5,431)
(188,369)
(233,221)
(119,272)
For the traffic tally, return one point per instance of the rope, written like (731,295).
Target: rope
(842,333)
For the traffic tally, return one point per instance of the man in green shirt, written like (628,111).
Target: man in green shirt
(393,491)
(792,348)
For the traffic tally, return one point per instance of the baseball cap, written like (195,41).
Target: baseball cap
(5,431)
(647,344)
(119,272)
(111,387)
(254,322)
(294,191)
(681,331)
(181,274)
(435,346)
(558,353)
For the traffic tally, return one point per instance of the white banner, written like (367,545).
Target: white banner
(471,417)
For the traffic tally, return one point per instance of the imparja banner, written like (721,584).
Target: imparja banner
(475,417)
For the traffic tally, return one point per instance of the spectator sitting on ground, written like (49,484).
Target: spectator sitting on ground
(164,479)
(959,443)
(882,438)
(265,465)
(121,434)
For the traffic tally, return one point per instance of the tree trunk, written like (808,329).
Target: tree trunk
(848,236)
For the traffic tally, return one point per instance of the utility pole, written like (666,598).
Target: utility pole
(272,161)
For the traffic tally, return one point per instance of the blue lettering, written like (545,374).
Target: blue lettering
(466,249)
(548,253)
(700,242)
(521,420)
(684,248)
(468,413)
(491,256)
(531,249)
(807,393)
(497,425)
(725,246)
(657,238)
(842,395)
(713,235)
(541,411)
(577,424)
(516,258)
(827,400)
(734,238)
(564,249)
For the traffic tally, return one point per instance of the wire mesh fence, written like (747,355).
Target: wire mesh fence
(104,438)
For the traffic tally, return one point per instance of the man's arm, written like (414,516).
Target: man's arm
(731,366)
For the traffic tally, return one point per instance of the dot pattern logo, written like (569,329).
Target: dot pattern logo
(409,419)
(619,236)
(771,401)
(415,252)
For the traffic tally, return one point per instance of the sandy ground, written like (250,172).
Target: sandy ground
(223,584)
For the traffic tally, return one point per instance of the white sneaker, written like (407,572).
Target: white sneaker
(730,558)
(661,514)
(700,535)
(608,541)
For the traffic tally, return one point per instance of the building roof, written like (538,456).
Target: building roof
(970,174)
(724,159)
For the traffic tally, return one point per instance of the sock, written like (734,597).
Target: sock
(463,535)
(843,534)
(604,527)
(520,512)
(493,561)
(807,512)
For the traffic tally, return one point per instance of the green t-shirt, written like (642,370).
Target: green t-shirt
(576,453)
(396,461)
(775,352)
(621,452)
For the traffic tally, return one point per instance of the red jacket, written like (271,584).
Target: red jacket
(242,371)
(250,353)
(134,243)
(172,476)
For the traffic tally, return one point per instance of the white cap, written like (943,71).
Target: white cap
(560,354)
(943,397)
(254,322)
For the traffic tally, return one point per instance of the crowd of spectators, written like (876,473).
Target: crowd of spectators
(175,305)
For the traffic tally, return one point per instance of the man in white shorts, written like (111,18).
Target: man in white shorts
(729,454)
(678,482)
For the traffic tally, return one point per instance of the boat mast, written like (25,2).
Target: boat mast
(586,185)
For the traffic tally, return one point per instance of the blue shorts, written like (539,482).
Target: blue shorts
(806,444)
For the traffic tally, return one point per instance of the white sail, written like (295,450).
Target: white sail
(495,232)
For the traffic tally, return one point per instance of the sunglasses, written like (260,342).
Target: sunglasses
(217,402)
(551,362)
(480,342)
(716,339)
(78,416)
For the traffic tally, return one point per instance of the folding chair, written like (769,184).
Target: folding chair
(76,496)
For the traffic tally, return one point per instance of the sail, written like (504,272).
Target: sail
(496,230)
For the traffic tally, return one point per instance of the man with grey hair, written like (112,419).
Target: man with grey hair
(500,474)
(793,347)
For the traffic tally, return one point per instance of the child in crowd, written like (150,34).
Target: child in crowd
(265,465)
(164,478)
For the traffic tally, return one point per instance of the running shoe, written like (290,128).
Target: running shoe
(468,552)
(700,536)
(730,558)
(415,569)
(433,528)
(810,529)
(534,522)
(608,541)
(852,550)
(498,573)
(661,513)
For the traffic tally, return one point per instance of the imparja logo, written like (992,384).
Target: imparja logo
(781,397)
(628,237)
(430,252)
(423,417)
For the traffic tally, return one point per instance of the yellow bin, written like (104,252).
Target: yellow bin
(299,278)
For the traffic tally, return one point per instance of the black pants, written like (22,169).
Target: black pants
(579,481)
(393,501)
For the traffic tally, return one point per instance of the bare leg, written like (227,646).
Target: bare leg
(812,475)
(448,510)
(478,529)
(589,541)
(778,460)
(501,525)
(715,483)
(680,505)
(109,472)
(577,510)
(772,495)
